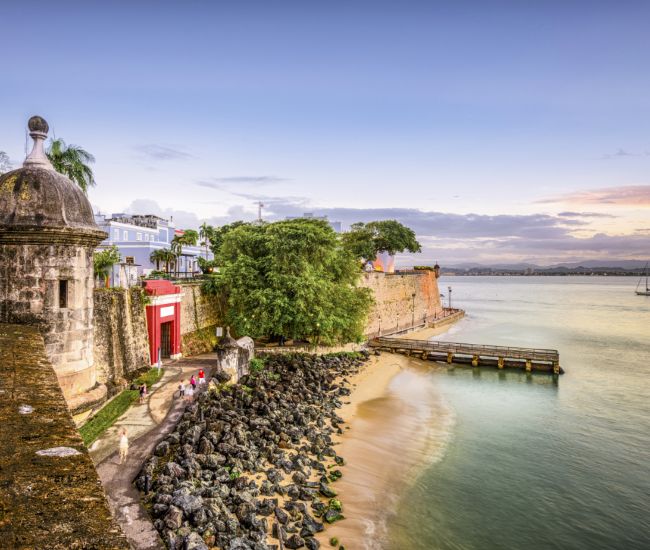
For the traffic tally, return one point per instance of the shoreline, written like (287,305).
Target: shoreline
(396,422)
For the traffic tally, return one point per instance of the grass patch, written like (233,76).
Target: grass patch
(150,377)
(107,416)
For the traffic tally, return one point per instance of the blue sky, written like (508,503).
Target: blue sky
(480,123)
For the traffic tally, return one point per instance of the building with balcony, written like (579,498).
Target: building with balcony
(138,235)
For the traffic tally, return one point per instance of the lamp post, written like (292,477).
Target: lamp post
(449,289)
(413,310)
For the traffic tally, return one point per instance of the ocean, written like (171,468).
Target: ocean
(533,462)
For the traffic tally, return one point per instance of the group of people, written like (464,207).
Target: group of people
(187,392)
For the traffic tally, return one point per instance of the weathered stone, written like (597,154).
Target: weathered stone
(174,518)
(31,483)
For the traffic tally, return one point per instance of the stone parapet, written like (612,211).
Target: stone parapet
(401,300)
(50,495)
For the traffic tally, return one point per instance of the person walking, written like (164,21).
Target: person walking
(181,389)
(123,445)
(190,393)
(193,382)
(143,392)
(201,377)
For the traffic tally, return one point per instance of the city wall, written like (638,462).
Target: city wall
(50,495)
(121,340)
(401,300)
(200,316)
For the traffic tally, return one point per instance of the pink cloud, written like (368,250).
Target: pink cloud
(628,195)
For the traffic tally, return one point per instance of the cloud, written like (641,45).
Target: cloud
(448,238)
(154,151)
(241,179)
(630,195)
(585,215)
(620,153)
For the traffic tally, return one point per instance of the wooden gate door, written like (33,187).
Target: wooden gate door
(165,339)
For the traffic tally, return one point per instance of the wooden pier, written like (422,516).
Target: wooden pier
(529,359)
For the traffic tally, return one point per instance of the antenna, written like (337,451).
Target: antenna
(260,205)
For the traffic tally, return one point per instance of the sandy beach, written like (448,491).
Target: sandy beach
(396,422)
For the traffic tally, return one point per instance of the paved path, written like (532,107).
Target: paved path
(146,424)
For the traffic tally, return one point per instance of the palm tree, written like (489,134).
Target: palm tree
(104,260)
(72,161)
(162,255)
(205,232)
(189,237)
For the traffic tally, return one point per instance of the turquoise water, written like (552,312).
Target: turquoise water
(533,463)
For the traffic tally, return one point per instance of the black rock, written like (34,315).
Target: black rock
(294,541)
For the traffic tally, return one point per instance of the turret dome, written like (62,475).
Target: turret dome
(37,199)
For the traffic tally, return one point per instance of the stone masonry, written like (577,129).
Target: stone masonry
(401,298)
(50,494)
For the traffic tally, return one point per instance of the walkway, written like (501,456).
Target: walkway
(146,424)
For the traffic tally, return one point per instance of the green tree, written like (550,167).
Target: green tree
(367,240)
(162,256)
(189,237)
(72,161)
(218,235)
(205,232)
(291,278)
(104,260)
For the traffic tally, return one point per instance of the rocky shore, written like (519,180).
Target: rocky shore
(254,462)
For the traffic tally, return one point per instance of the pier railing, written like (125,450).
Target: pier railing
(500,356)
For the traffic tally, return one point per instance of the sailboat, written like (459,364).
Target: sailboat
(642,292)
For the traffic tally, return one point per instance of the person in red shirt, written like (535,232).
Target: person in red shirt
(201,377)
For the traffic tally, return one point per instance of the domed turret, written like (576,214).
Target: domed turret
(47,238)
(37,199)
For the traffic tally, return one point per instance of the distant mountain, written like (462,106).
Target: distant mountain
(625,264)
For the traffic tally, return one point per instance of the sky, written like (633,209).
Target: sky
(501,131)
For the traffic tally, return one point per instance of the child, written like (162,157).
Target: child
(181,389)
(201,377)
(193,382)
(143,392)
(124,445)
(190,393)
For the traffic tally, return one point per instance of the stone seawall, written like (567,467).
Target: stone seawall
(200,315)
(50,495)
(121,340)
(401,299)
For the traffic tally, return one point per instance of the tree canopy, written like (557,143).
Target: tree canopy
(162,256)
(291,278)
(217,234)
(72,161)
(103,261)
(366,240)
(189,237)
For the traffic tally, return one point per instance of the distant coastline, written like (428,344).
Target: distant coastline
(550,272)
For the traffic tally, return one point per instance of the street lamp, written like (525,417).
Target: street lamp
(449,289)
(413,310)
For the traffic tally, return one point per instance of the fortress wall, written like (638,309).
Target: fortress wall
(200,315)
(121,339)
(395,305)
(53,499)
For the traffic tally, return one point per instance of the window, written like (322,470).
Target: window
(138,236)
(63,293)
(129,260)
(126,235)
(116,234)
